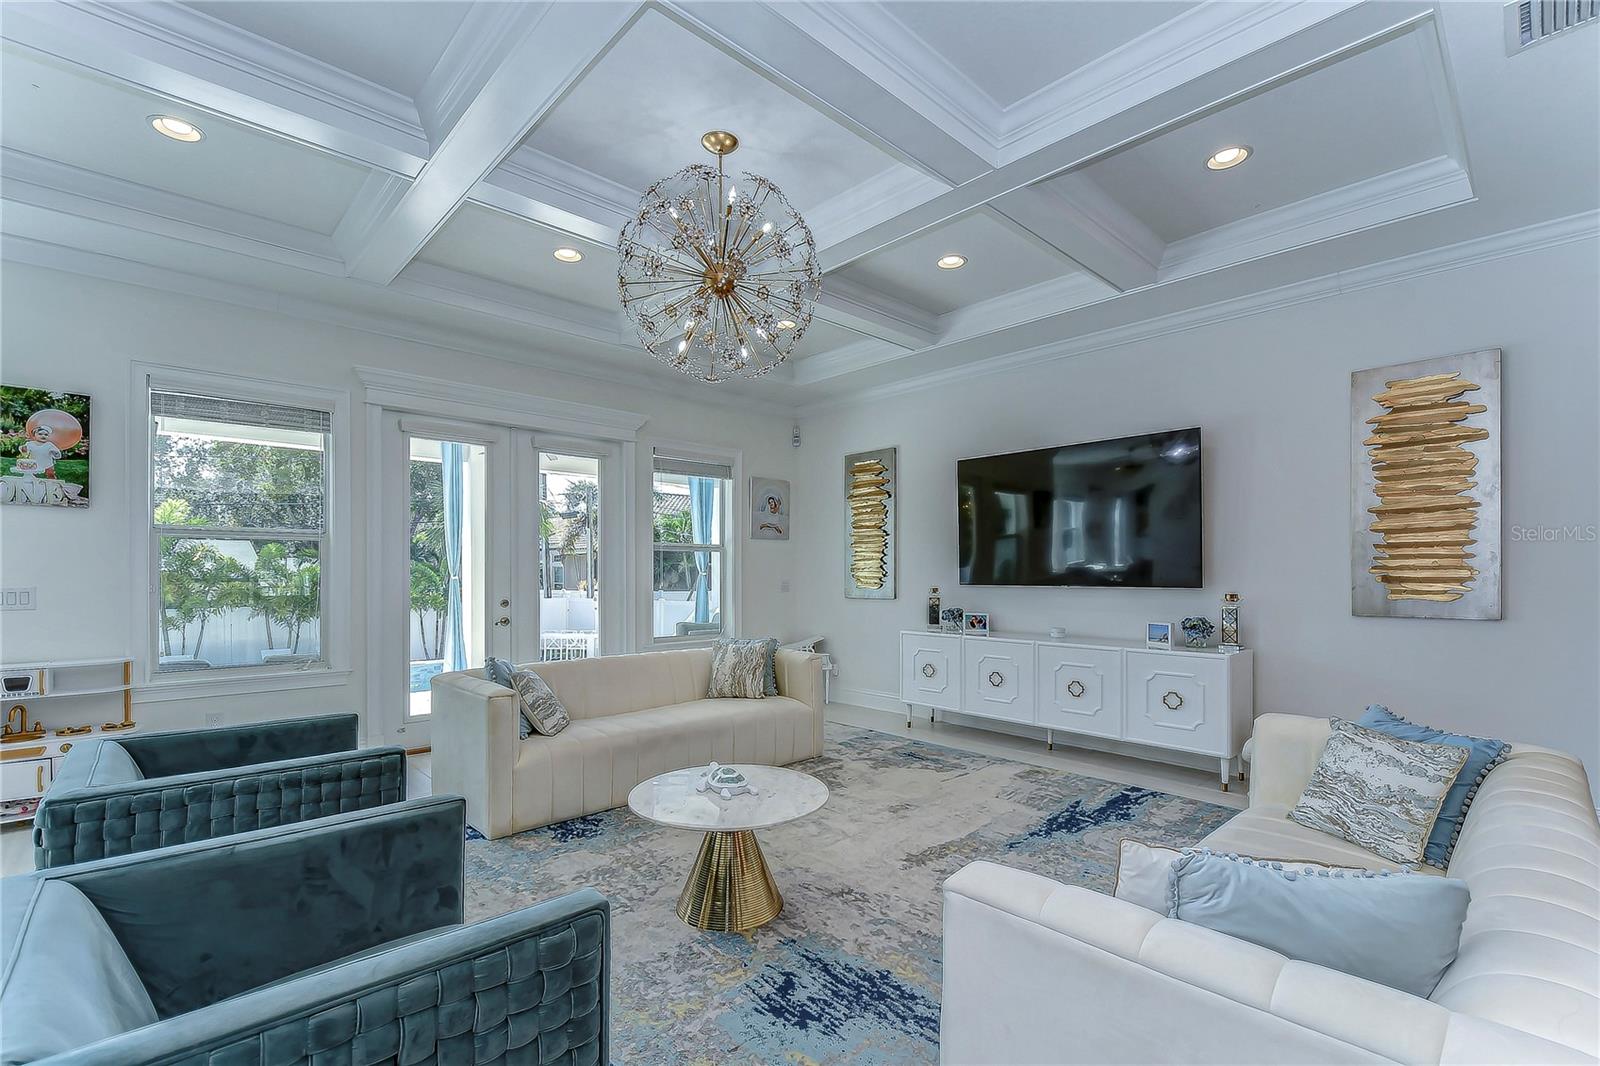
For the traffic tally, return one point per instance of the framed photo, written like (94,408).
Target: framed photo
(44,448)
(952,620)
(1158,635)
(977,622)
(769,509)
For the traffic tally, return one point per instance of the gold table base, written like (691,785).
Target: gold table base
(730,889)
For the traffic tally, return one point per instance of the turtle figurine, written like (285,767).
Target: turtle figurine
(725,781)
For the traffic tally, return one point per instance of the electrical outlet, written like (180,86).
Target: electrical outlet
(19,599)
(213,721)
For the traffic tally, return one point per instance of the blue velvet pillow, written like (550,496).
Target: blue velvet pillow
(1484,755)
(1397,929)
(501,673)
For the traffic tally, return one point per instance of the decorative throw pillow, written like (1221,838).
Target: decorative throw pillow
(1377,792)
(501,672)
(1484,755)
(1144,872)
(1396,928)
(739,670)
(67,981)
(540,706)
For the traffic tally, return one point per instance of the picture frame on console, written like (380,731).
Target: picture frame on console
(977,623)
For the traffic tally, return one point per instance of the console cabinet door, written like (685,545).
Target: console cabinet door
(999,677)
(1178,701)
(1080,690)
(930,670)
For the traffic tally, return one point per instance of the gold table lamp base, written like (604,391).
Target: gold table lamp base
(730,889)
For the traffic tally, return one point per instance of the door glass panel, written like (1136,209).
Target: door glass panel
(448,562)
(569,556)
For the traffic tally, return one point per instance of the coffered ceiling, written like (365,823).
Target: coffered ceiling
(411,167)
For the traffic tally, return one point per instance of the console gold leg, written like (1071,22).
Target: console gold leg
(730,889)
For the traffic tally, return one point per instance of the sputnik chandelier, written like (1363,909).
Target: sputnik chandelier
(718,277)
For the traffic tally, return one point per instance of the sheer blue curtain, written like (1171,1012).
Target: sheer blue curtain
(454,469)
(702,501)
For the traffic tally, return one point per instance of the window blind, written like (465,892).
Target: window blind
(238,412)
(667,464)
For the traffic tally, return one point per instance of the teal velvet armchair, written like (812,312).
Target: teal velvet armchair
(134,793)
(334,940)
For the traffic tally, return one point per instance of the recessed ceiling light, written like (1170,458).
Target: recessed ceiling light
(176,128)
(786,324)
(952,261)
(1228,157)
(568,255)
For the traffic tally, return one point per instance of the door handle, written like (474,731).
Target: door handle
(38,778)
(502,621)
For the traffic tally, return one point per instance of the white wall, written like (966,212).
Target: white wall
(75,334)
(1271,393)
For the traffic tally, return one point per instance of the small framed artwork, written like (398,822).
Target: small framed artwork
(977,622)
(952,619)
(44,447)
(1158,635)
(769,509)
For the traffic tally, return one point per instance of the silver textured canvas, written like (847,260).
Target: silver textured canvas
(1425,488)
(871,486)
(1378,792)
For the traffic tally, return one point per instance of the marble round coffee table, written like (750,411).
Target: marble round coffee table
(729,889)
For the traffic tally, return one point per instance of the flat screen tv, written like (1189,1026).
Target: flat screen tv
(1121,513)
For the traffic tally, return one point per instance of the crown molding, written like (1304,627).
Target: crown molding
(175,51)
(1550,234)
(62,193)
(880,46)
(867,311)
(396,389)
(474,51)
(17,249)
(1024,305)
(508,302)
(1412,190)
(1168,55)
(880,197)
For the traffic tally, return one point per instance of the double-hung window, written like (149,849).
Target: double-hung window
(690,501)
(239,511)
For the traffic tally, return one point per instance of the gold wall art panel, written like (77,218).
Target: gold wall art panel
(870,488)
(1426,488)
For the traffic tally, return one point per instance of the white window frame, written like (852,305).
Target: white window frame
(730,548)
(334,564)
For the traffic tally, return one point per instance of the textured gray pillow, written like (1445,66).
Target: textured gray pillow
(1378,792)
(501,672)
(739,669)
(540,706)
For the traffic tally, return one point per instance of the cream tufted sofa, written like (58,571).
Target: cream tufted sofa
(1040,972)
(633,717)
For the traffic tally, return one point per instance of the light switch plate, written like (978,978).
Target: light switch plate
(19,598)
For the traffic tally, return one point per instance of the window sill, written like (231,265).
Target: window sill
(190,688)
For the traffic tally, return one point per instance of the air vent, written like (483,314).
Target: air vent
(1529,22)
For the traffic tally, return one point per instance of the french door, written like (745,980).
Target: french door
(492,541)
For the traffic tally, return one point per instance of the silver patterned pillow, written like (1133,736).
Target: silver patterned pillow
(1378,792)
(540,707)
(739,670)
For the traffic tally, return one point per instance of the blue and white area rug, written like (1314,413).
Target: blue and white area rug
(849,972)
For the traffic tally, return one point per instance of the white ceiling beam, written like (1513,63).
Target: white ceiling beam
(550,46)
(863,310)
(176,52)
(1305,37)
(557,195)
(1072,215)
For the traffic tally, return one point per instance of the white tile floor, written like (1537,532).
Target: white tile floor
(16,847)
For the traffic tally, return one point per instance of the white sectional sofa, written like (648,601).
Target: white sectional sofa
(1040,972)
(633,717)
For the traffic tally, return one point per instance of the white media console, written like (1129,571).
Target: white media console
(1196,700)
